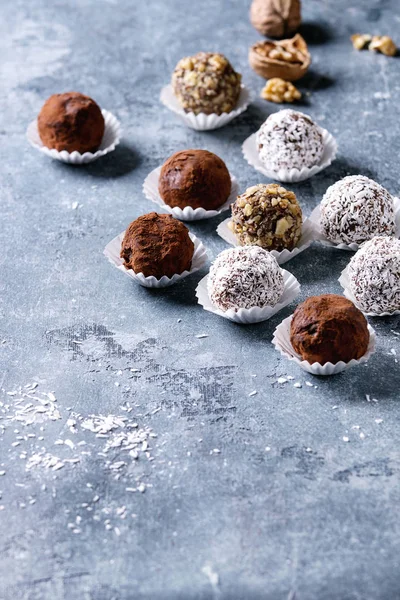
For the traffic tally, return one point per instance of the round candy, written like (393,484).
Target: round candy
(157,245)
(195,178)
(374,275)
(70,122)
(355,209)
(245,277)
(267,215)
(206,83)
(329,328)
(289,140)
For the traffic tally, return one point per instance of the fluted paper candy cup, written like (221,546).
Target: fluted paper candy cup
(112,253)
(246,316)
(307,238)
(282,343)
(150,190)
(319,236)
(345,283)
(203,122)
(250,152)
(111,138)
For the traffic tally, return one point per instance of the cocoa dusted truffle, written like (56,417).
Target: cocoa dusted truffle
(329,328)
(157,245)
(267,215)
(70,122)
(195,178)
(289,140)
(206,83)
(243,278)
(374,275)
(355,209)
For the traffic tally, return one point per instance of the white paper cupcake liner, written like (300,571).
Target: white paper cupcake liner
(150,190)
(307,238)
(111,138)
(112,253)
(345,283)
(203,122)
(246,316)
(281,341)
(250,152)
(320,237)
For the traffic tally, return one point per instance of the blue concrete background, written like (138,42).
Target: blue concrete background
(312,518)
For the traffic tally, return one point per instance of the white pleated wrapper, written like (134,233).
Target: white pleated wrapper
(203,122)
(111,138)
(320,237)
(345,283)
(250,152)
(307,238)
(281,341)
(246,316)
(150,190)
(112,253)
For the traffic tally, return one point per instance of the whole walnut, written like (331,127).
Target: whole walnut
(276,18)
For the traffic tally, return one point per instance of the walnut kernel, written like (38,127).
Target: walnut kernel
(361,40)
(383,44)
(279,91)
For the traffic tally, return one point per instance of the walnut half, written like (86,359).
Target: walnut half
(384,44)
(287,59)
(279,91)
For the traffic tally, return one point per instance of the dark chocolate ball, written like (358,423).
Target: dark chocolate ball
(70,122)
(329,328)
(157,245)
(195,178)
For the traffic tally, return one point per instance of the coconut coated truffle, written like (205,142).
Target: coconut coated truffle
(195,178)
(355,209)
(374,275)
(206,83)
(71,122)
(157,245)
(267,215)
(243,278)
(289,140)
(329,328)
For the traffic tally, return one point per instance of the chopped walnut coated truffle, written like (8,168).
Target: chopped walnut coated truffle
(383,44)
(268,216)
(206,83)
(277,90)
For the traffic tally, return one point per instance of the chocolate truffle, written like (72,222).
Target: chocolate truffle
(243,278)
(289,140)
(329,328)
(374,275)
(267,215)
(70,122)
(206,83)
(355,209)
(157,245)
(195,178)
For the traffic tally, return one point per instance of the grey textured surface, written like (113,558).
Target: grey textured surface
(312,518)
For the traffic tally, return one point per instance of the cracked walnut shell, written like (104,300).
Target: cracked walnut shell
(286,59)
(267,215)
(276,18)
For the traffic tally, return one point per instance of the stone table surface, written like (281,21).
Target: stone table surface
(239,496)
